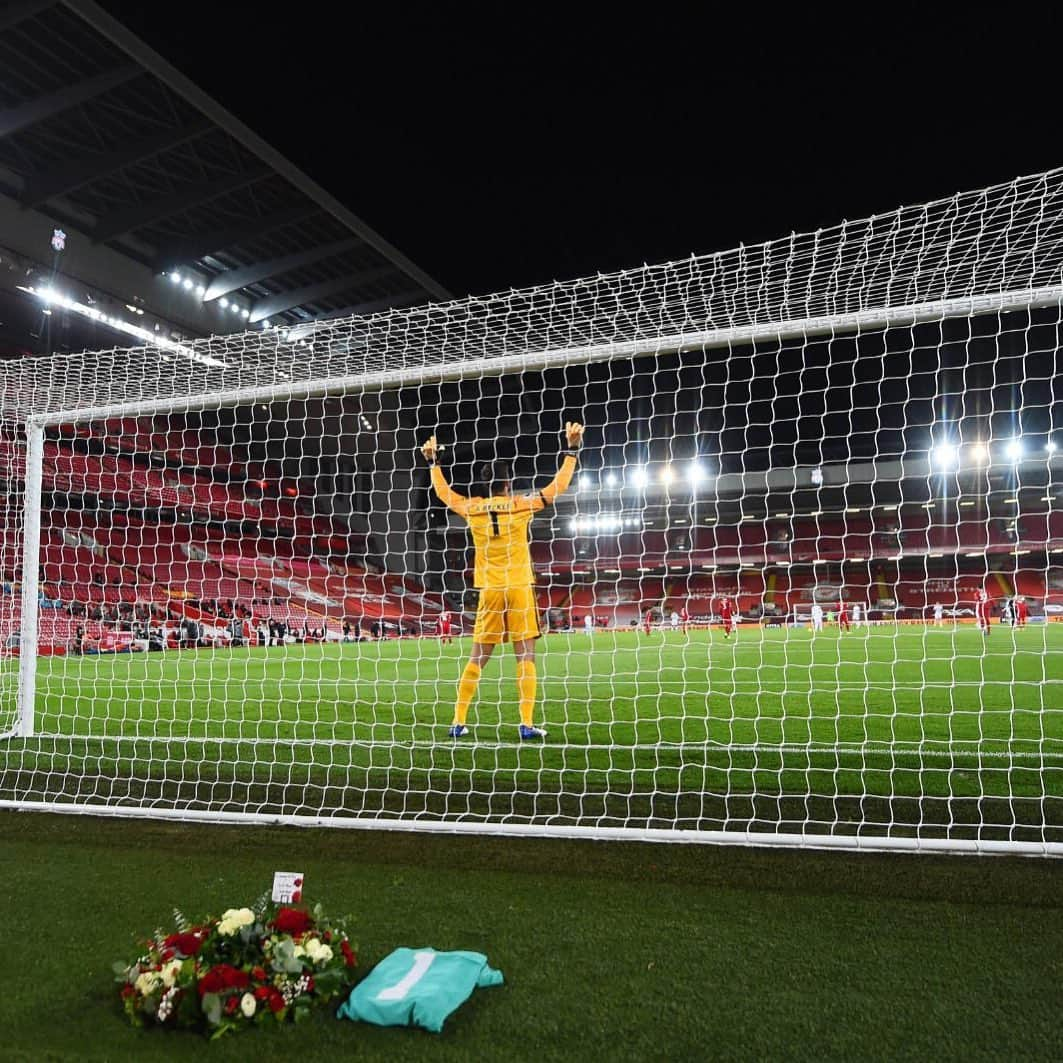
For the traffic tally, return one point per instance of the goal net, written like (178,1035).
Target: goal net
(801,588)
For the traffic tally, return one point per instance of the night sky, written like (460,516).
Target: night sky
(501,153)
(511,147)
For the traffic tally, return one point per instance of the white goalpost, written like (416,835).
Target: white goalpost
(829,457)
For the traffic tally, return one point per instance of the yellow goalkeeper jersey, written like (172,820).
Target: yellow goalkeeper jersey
(500,527)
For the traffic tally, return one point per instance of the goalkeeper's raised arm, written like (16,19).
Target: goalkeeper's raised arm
(507,611)
(495,477)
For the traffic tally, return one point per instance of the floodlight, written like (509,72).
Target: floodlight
(944,456)
(187,284)
(639,476)
(175,278)
(223,303)
(696,473)
(610,479)
(1014,450)
(667,474)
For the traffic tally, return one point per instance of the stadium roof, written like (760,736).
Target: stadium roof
(100,135)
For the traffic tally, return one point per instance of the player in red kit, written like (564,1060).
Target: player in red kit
(647,621)
(444,627)
(727,617)
(684,619)
(1022,612)
(982,610)
(843,616)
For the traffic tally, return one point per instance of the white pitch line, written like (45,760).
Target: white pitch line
(663,747)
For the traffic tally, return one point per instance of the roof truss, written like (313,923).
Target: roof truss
(234,279)
(312,293)
(120,222)
(88,168)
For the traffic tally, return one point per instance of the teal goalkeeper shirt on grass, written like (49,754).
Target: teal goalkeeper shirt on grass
(418,987)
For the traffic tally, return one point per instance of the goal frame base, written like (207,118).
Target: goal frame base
(851,843)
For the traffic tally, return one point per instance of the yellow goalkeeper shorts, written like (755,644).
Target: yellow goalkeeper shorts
(508,614)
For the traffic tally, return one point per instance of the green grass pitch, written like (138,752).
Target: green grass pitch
(612,951)
(647,730)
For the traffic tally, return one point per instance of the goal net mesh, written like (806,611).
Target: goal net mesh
(801,586)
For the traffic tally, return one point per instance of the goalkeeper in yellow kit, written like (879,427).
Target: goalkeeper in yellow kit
(499,521)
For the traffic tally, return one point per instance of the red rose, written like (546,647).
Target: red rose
(231,1005)
(292,921)
(262,992)
(310,983)
(186,944)
(127,991)
(166,955)
(258,974)
(327,937)
(297,896)
(276,1001)
(298,881)
(223,976)
(349,957)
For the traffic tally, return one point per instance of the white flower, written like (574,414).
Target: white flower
(323,956)
(298,951)
(235,919)
(313,947)
(169,972)
(147,983)
(166,1005)
(248,1005)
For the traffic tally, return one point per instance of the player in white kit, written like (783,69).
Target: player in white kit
(817,617)
(939,614)
(858,614)
(675,620)
(588,624)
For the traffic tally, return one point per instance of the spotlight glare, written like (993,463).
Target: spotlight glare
(696,473)
(175,278)
(223,303)
(1050,447)
(610,479)
(200,290)
(187,284)
(639,477)
(1014,450)
(979,454)
(667,474)
(944,456)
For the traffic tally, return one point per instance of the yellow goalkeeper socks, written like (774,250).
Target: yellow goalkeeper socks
(466,691)
(526,691)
